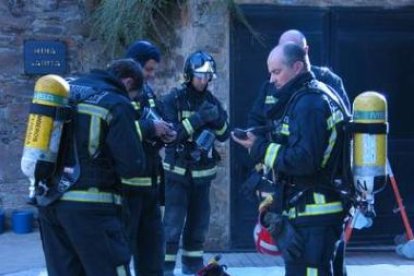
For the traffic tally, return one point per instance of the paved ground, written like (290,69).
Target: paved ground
(21,255)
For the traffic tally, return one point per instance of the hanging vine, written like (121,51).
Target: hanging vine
(120,22)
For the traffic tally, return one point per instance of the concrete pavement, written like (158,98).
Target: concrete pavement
(20,252)
(22,255)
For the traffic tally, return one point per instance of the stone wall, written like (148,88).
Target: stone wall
(21,20)
(201,24)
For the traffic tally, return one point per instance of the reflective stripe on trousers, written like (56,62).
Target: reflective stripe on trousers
(194,173)
(92,196)
(139,181)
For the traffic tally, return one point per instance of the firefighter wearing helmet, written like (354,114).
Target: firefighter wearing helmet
(190,162)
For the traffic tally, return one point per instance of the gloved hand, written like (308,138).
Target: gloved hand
(208,112)
(288,240)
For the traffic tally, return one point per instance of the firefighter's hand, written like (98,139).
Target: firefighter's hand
(161,127)
(248,142)
(265,204)
(170,135)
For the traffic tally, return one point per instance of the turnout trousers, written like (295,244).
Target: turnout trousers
(145,231)
(319,251)
(84,239)
(187,212)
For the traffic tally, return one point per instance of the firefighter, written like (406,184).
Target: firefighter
(149,56)
(144,194)
(190,162)
(306,214)
(268,96)
(81,231)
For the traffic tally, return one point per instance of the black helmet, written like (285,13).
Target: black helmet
(199,62)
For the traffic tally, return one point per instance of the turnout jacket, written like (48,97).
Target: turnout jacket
(180,107)
(305,151)
(107,144)
(150,177)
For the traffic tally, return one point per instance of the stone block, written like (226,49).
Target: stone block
(12,62)
(46,5)
(11,151)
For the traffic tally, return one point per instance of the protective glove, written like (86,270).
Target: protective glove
(288,240)
(208,112)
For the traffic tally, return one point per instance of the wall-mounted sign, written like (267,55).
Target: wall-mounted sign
(44,57)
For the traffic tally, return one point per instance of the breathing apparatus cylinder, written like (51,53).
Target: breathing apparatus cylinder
(370,128)
(44,131)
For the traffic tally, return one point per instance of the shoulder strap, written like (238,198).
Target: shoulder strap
(149,96)
(345,186)
(327,90)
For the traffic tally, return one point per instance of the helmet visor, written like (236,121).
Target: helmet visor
(203,76)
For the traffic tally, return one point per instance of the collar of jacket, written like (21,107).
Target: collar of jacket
(285,93)
(295,84)
(195,95)
(105,81)
(145,94)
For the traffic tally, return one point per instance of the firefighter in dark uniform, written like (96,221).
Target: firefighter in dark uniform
(306,214)
(142,194)
(268,96)
(190,162)
(82,232)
